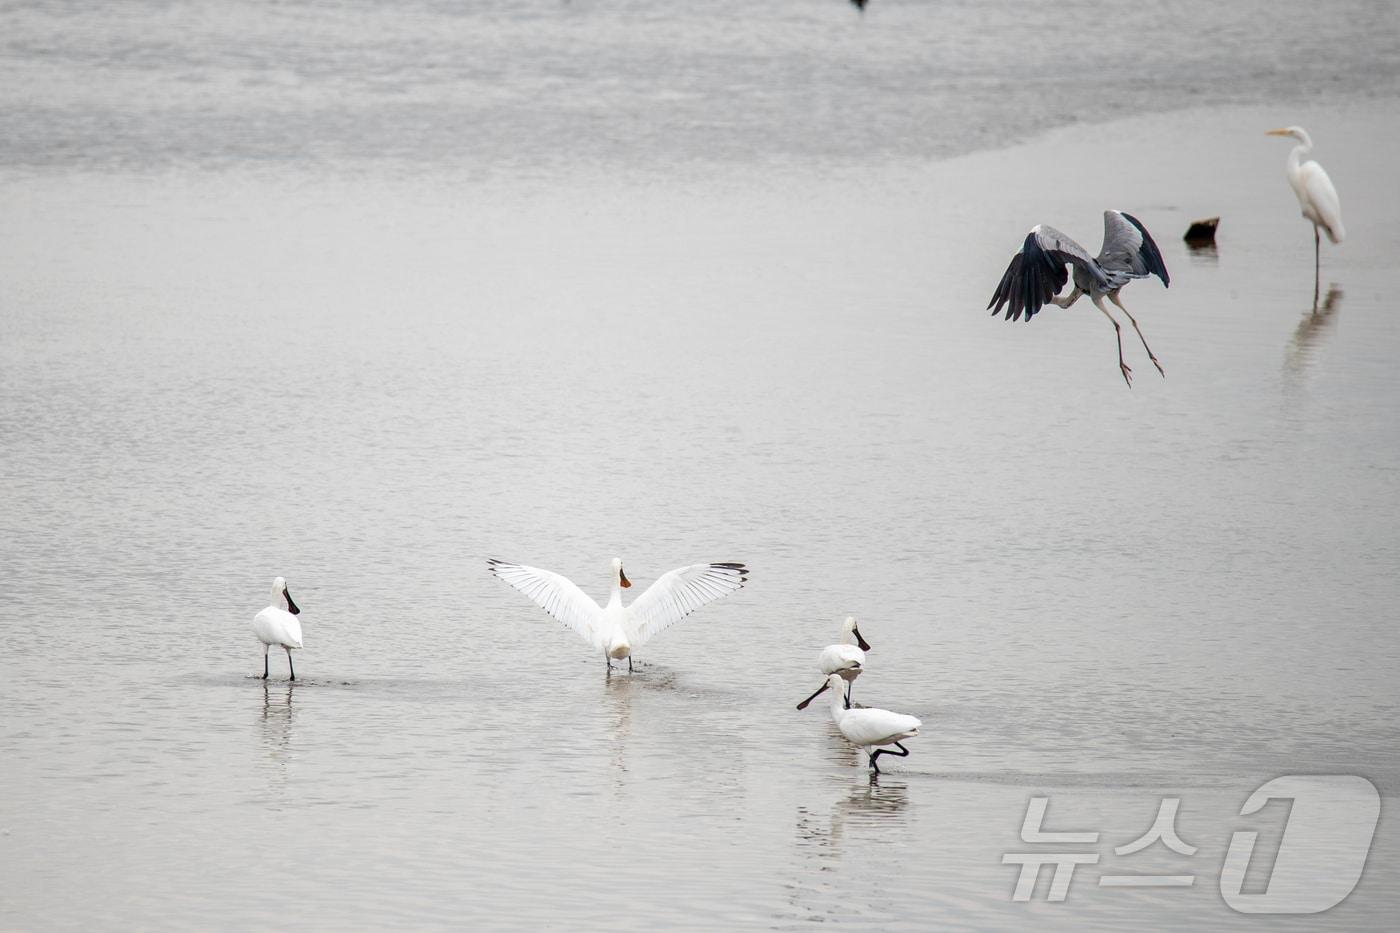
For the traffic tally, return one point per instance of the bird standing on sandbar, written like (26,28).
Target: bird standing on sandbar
(1038,272)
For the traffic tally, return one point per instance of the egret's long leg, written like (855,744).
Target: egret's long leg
(1113,297)
(1069,299)
(265,649)
(1317,263)
(1117,333)
(289,664)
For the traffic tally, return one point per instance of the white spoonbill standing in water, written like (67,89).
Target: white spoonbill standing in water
(1037,273)
(1317,196)
(846,658)
(278,625)
(870,728)
(614,628)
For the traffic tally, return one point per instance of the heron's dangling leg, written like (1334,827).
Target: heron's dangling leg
(265,648)
(1069,299)
(1113,297)
(289,664)
(1118,333)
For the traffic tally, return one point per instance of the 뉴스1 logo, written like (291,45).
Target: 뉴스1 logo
(1320,856)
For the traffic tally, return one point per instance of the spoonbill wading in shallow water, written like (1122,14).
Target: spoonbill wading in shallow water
(1037,273)
(278,625)
(617,629)
(1317,196)
(870,728)
(846,658)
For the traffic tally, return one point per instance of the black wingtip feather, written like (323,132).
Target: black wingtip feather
(1150,253)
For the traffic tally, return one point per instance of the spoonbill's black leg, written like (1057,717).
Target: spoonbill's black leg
(289,664)
(629,664)
(848,694)
(265,647)
(902,753)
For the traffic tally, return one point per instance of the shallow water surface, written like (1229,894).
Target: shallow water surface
(289,322)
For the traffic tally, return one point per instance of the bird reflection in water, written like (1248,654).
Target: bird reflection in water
(873,803)
(618,691)
(1312,329)
(278,714)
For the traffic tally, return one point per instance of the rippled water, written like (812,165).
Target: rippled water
(363,294)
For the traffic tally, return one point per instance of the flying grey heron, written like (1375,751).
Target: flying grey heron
(1037,273)
(1317,196)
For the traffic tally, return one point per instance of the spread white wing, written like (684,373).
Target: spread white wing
(680,592)
(557,595)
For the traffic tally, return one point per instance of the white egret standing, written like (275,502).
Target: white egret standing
(1037,273)
(617,629)
(1317,196)
(870,728)
(846,658)
(278,625)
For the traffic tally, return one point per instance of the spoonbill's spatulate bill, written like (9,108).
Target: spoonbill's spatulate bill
(846,658)
(278,625)
(870,728)
(1038,272)
(614,628)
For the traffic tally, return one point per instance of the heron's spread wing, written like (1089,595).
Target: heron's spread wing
(680,592)
(1129,252)
(1037,273)
(557,595)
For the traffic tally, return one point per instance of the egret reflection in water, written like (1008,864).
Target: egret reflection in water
(1313,328)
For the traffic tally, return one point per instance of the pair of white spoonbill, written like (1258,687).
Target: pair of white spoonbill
(867,727)
(617,630)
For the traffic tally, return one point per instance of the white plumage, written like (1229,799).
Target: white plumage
(614,628)
(278,625)
(1317,196)
(871,728)
(845,658)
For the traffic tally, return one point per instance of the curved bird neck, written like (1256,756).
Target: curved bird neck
(1295,156)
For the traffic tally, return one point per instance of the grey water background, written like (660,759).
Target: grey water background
(362,294)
